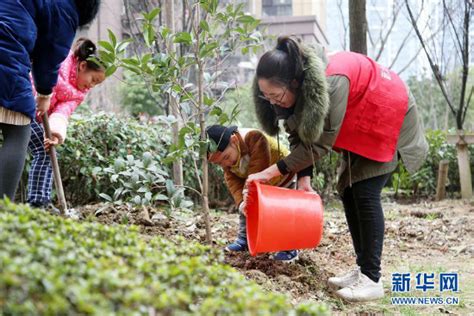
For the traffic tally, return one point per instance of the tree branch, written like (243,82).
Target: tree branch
(456,35)
(409,62)
(341,13)
(468,103)
(433,67)
(465,66)
(383,40)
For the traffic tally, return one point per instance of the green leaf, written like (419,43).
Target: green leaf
(207,49)
(223,119)
(142,190)
(184,38)
(209,5)
(152,15)
(148,196)
(112,38)
(204,25)
(216,111)
(246,19)
(212,145)
(160,197)
(164,31)
(107,46)
(110,71)
(96,170)
(131,61)
(137,200)
(105,57)
(148,34)
(123,45)
(105,197)
(208,101)
(170,188)
(177,88)
(146,58)
(186,204)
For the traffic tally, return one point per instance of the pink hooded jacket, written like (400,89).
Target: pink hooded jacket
(66,97)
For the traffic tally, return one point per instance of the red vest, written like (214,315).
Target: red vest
(376,106)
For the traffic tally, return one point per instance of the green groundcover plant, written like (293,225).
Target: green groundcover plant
(50,265)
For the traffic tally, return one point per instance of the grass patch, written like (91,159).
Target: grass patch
(55,266)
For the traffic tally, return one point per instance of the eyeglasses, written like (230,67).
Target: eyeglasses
(277,99)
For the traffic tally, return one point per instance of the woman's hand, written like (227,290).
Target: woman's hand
(260,177)
(304,184)
(42,104)
(265,175)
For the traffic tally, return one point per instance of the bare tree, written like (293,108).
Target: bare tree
(451,54)
(344,24)
(380,30)
(385,30)
(358,27)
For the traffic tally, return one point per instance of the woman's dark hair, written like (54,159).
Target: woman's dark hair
(284,63)
(85,49)
(87,10)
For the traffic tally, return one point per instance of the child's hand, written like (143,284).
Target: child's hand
(50,142)
(304,184)
(243,204)
(242,208)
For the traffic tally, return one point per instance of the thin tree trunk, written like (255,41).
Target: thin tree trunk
(202,124)
(173,103)
(358,26)
(465,176)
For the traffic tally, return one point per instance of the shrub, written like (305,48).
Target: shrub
(424,181)
(125,161)
(325,175)
(55,266)
(421,183)
(103,152)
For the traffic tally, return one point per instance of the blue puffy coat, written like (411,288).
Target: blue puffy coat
(35,35)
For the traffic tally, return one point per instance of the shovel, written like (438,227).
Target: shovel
(56,173)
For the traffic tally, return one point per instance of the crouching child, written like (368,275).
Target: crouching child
(241,153)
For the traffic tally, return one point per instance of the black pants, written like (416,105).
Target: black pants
(12,157)
(365,218)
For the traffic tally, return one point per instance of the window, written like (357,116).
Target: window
(277,8)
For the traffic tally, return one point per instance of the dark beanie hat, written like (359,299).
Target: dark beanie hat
(219,137)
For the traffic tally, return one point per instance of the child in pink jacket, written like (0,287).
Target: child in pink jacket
(77,76)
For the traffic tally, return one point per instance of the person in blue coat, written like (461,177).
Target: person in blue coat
(35,36)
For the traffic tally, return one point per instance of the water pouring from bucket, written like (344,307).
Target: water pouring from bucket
(282,219)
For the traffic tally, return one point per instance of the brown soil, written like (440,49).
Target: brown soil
(426,236)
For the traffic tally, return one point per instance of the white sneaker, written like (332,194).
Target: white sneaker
(344,280)
(363,290)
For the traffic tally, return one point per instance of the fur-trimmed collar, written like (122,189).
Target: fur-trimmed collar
(312,101)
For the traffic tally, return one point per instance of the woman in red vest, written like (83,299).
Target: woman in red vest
(349,103)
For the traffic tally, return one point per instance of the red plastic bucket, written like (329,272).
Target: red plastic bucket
(282,219)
